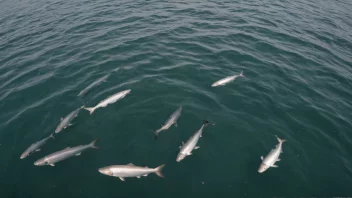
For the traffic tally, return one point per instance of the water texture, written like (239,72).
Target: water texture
(296,56)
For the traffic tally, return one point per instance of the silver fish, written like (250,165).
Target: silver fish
(35,147)
(187,148)
(130,170)
(272,157)
(226,80)
(169,122)
(94,84)
(64,154)
(109,100)
(65,122)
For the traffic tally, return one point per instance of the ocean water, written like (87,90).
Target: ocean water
(296,56)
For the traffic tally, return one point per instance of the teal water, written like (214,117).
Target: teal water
(296,56)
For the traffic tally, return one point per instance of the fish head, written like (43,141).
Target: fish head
(180,157)
(105,171)
(41,162)
(24,155)
(262,168)
(58,129)
(215,84)
(127,91)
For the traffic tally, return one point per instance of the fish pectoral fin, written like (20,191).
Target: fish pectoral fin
(262,158)
(197,147)
(274,166)
(145,175)
(70,124)
(189,153)
(52,164)
(176,125)
(37,150)
(278,160)
(61,119)
(138,177)
(78,154)
(183,143)
(122,179)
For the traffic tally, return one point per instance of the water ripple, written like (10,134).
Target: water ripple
(296,56)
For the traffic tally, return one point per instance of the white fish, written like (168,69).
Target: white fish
(64,154)
(130,170)
(169,122)
(94,84)
(272,157)
(65,122)
(109,100)
(35,147)
(191,144)
(226,80)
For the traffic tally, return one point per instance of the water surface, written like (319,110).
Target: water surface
(296,56)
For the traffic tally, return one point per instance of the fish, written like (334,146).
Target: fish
(272,157)
(130,170)
(94,84)
(35,147)
(169,122)
(68,152)
(109,100)
(191,144)
(226,80)
(65,122)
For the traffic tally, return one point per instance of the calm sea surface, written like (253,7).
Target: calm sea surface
(296,56)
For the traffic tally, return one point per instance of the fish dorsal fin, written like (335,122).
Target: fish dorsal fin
(130,164)
(183,143)
(61,119)
(146,167)
(67,148)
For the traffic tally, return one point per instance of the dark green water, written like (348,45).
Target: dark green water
(296,56)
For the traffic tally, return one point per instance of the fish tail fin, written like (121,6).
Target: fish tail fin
(52,136)
(90,109)
(205,122)
(159,169)
(92,144)
(241,74)
(156,135)
(280,140)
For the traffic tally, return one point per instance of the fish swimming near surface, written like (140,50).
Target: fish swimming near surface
(64,154)
(272,157)
(226,80)
(94,84)
(109,100)
(191,144)
(66,121)
(35,147)
(130,170)
(169,122)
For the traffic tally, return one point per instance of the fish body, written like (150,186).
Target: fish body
(64,154)
(66,121)
(226,80)
(169,122)
(35,147)
(130,170)
(93,84)
(109,100)
(272,157)
(191,144)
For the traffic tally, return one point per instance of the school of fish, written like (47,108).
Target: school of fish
(131,170)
